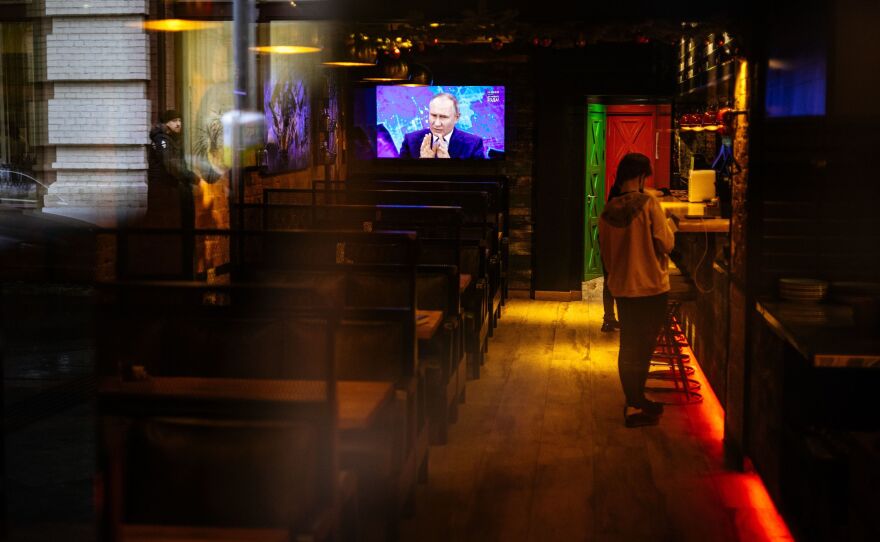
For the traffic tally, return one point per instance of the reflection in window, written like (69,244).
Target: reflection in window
(206,71)
(287,94)
(17,127)
(286,88)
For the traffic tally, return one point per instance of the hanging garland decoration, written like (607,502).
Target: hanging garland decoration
(503,31)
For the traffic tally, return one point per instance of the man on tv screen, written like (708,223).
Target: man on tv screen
(442,140)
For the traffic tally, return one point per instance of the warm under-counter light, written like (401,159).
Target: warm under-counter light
(176,25)
(286,49)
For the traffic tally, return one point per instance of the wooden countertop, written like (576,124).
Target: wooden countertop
(427,323)
(166,533)
(359,401)
(694,225)
(823,333)
(464,280)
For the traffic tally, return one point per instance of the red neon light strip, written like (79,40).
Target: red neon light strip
(756,516)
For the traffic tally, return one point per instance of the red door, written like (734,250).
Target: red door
(636,128)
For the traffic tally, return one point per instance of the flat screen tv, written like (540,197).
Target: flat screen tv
(386,114)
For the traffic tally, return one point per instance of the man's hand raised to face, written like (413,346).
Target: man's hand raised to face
(426,151)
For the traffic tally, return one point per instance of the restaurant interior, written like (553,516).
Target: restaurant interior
(349,342)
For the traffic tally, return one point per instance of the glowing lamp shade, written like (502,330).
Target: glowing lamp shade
(354,56)
(390,71)
(176,25)
(286,49)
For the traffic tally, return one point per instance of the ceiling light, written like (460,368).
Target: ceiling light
(286,49)
(175,25)
(356,55)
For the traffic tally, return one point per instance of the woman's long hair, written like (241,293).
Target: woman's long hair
(631,166)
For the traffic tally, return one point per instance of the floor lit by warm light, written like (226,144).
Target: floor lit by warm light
(540,451)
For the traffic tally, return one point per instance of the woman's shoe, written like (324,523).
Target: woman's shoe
(651,407)
(639,418)
(610,325)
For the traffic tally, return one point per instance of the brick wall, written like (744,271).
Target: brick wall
(93,61)
(95,7)
(519,168)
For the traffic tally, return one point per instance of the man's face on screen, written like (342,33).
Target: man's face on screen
(442,116)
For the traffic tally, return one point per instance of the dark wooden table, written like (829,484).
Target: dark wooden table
(162,533)
(464,280)
(359,400)
(427,323)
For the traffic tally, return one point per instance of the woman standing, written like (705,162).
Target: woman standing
(636,238)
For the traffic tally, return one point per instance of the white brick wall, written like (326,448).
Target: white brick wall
(97,49)
(90,158)
(98,121)
(95,60)
(99,189)
(100,90)
(95,7)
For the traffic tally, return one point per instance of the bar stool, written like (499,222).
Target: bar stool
(670,342)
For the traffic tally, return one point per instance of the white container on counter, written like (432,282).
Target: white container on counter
(701,185)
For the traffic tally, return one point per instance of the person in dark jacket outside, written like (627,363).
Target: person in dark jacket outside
(170,184)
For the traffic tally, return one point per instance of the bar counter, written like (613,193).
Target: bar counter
(823,333)
(701,253)
(709,224)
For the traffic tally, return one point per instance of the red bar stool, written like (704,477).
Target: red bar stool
(669,354)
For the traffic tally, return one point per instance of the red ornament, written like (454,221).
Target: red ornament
(643,39)
(546,42)
(536,41)
(394,53)
(496,44)
(724,115)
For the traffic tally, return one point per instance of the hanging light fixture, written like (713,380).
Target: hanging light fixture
(389,71)
(355,55)
(419,76)
(286,49)
(175,25)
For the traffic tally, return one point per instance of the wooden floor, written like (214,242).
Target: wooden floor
(540,451)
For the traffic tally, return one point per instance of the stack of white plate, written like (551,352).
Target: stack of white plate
(805,314)
(802,290)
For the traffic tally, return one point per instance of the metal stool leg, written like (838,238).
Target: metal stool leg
(668,353)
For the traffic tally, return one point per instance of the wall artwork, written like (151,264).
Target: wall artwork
(288,116)
(207,153)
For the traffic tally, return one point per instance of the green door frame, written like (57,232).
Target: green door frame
(594,188)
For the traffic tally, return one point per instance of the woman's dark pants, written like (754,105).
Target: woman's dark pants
(641,319)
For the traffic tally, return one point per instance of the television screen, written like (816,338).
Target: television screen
(414,122)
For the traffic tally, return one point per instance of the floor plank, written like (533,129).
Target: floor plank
(540,451)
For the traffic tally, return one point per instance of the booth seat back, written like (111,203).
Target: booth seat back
(223,473)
